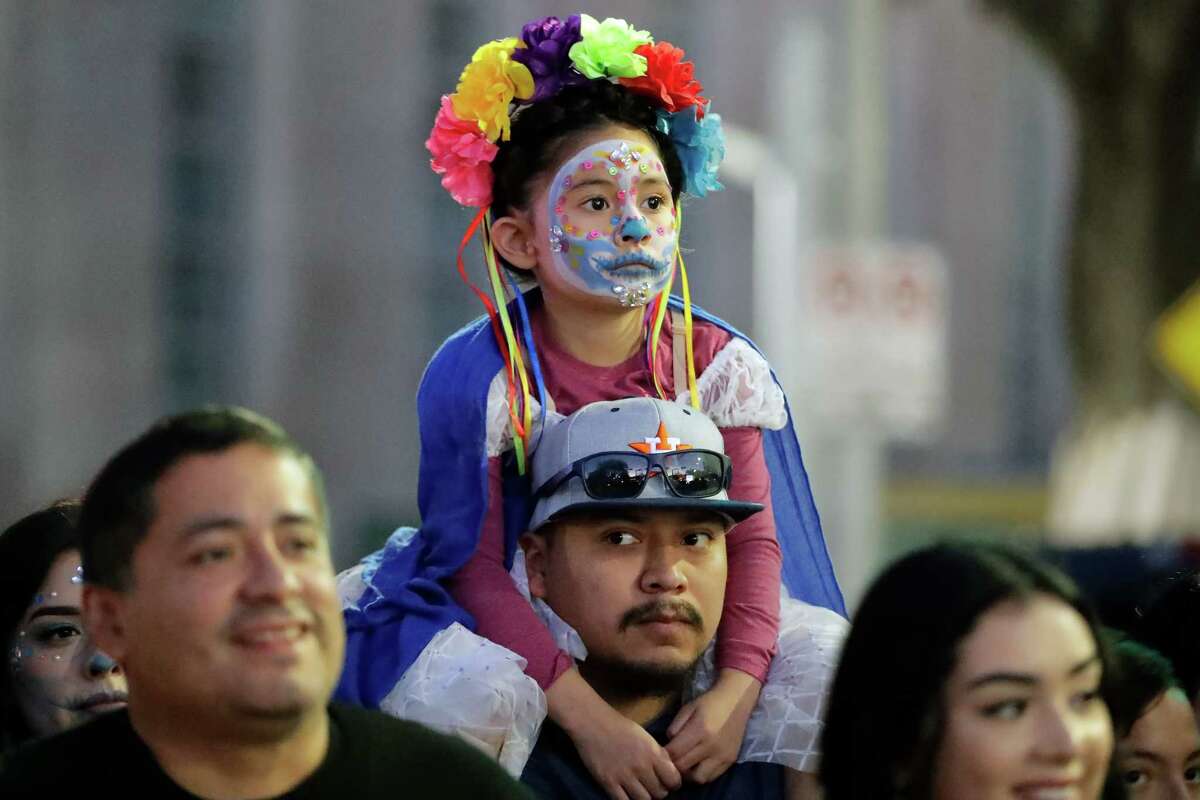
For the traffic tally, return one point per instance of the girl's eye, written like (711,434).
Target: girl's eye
(654,202)
(58,634)
(1007,709)
(1133,777)
(620,538)
(596,203)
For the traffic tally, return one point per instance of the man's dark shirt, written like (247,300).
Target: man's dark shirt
(555,771)
(371,755)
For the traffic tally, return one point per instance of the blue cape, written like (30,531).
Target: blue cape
(406,602)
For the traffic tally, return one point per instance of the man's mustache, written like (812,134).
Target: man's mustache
(675,609)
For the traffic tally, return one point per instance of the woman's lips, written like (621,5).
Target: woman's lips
(101,702)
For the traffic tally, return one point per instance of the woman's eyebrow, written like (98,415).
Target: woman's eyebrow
(1029,679)
(1022,678)
(55,611)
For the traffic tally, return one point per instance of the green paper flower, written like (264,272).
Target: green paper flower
(607,49)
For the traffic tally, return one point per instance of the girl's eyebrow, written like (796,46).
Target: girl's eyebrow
(596,181)
(55,611)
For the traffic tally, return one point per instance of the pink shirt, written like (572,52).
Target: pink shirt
(750,618)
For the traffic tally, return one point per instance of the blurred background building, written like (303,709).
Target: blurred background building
(225,201)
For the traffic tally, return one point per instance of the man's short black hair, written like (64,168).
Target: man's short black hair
(119,505)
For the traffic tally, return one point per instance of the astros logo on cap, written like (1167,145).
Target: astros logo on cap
(651,444)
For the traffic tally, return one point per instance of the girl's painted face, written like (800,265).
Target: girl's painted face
(59,677)
(612,223)
(1023,712)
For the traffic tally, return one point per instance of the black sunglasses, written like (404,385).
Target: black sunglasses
(620,476)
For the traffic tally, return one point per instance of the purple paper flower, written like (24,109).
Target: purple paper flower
(547,55)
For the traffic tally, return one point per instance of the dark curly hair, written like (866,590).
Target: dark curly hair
(541,132)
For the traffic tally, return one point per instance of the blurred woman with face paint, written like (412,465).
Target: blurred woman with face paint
(52,677)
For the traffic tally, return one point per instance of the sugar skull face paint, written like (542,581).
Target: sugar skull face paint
(613,227)
(59,678)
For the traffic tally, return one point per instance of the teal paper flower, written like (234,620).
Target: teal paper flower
(700,144)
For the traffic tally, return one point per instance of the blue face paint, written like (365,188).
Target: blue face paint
(625,247)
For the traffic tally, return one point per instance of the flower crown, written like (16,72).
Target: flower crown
(507,74)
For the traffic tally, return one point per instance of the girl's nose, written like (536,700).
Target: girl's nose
(635,231)
(101,664)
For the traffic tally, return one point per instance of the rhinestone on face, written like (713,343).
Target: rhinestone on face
(557,243)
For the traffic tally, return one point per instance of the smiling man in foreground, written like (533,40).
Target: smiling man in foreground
(208,578)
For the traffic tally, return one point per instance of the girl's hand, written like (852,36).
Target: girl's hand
(706,734)
(622,757)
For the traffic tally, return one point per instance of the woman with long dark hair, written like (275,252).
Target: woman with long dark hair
(52,677)
(972,672)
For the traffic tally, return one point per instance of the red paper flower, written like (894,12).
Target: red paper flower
(668,77)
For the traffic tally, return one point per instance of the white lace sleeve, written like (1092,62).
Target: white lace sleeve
(785,726)
(499,427)
(470,686)
(737,390)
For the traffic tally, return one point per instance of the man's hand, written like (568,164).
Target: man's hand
(707,733)
(622,757)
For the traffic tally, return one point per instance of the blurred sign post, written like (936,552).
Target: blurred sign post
(874,337)
(1177,341)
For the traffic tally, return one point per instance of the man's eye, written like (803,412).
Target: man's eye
(210,555)
(697,539)
(620,538)
(1192,775)
(301,544)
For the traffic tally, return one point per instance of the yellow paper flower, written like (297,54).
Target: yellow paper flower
(606,49)
(488,84)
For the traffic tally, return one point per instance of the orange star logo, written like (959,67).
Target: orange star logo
(660,443)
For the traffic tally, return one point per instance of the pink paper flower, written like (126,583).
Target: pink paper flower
(462,155)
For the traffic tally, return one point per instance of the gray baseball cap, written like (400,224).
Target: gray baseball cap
(637,424)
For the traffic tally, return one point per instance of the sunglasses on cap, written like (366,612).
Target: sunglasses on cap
(623,476)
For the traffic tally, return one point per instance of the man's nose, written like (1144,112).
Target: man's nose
(662,572)
(270,575)
(635,231)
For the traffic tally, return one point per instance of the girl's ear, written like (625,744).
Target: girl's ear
(513,238)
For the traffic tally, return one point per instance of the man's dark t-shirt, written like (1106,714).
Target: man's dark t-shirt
(555,771)
(371,755)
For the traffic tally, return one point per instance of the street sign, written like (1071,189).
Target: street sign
(874,331)
(1177,340)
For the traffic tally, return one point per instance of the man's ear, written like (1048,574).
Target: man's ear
(104,620)
(513,238)
(535,547)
